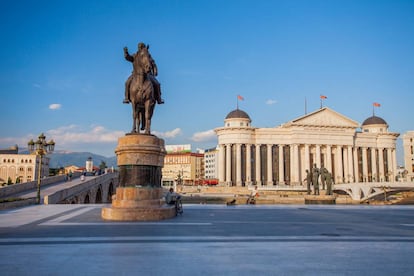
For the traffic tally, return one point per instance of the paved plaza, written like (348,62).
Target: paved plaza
(210,240)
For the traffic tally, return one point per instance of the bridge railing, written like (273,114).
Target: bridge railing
(27,186)
(68,193)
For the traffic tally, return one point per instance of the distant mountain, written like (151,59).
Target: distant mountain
(64,158)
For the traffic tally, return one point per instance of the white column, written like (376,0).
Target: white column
(390,173)
(318,156)
(291,165)
(305,161)
(374,165)
(258,169)
(381,164)
(356,165)
(228,164)
(295,173)
(394,164)
(350,165)
(269,166)
(222,165)
(345,158)
(308,165)
(281,165)
(328,165)
(248,164)
(364,165)
(339,165)
(238,165)
(390,165)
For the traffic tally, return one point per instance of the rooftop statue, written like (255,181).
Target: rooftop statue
(142,89)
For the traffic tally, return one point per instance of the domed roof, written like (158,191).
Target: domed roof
(374,120)
(237,114)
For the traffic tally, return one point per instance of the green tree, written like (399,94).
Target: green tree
(102,166)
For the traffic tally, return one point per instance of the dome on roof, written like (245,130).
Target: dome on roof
(237,114)
(374,120)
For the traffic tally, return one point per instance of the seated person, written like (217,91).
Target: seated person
(171,197)
(253,195)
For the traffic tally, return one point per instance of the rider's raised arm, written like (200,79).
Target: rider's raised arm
(127,55)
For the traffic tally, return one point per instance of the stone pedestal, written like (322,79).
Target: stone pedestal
(139,197)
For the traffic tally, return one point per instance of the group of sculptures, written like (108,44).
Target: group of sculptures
(142,89)
(312,179)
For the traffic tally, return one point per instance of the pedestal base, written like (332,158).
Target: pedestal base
(320,199)
(138,204)
(140,159)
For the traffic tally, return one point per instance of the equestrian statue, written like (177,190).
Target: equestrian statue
(142,89)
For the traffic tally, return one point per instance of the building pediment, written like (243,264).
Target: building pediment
(324,117)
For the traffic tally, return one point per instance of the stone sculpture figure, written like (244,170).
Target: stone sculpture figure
(315,179)
(328,176)
(323,172)
(142,89)
(308,182)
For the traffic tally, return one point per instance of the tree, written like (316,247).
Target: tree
(102,166)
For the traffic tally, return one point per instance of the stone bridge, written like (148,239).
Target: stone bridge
(97,189)
(366,190)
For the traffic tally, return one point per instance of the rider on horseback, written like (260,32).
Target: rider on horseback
(141,76)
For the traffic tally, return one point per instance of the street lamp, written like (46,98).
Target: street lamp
(40,148)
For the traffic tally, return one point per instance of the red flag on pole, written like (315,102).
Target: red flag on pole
(240,98)
(377,104)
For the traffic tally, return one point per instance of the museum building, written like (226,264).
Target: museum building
(281,155)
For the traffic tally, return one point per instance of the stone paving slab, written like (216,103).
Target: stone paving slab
(210,239)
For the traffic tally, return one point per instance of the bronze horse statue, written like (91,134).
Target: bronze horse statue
(141,92)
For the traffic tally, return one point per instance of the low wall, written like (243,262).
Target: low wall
(10,190)
(84,187)
(17,203)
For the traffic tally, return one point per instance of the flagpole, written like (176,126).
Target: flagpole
(306,108)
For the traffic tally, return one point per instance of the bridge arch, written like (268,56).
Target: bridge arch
(98,197)
(99,189)
(111,191)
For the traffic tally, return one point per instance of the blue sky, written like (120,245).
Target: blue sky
(62,70)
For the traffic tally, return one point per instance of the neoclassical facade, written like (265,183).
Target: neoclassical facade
(24,167)
(281,155)
(408,143)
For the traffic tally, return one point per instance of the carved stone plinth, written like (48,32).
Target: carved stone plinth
(140,160)
(320,199)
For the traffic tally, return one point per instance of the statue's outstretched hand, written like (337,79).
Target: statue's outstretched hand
(125,49)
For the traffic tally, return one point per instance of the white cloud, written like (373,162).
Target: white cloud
(270,102)
(204,136)
(168,134)
(55,106)
(72,136)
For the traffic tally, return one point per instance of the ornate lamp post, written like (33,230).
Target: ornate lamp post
(40,148)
